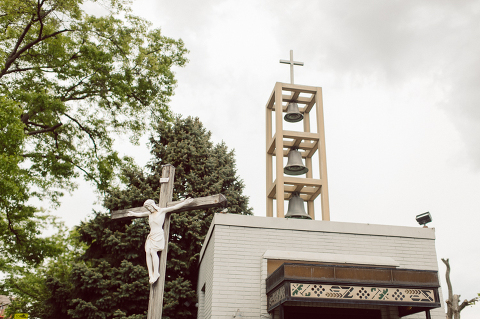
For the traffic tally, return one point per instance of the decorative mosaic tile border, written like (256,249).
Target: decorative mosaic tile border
(362,293)
(276,296)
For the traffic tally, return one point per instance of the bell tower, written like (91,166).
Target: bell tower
(347,270)
(295,182)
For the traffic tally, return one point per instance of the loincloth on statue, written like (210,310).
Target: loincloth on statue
(155,241)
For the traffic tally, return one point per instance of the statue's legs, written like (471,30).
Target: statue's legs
(149,264)
(153,264)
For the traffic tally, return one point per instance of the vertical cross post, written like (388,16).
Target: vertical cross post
(155,304)
(292,63)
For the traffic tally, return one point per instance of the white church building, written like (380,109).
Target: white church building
(258,267)
(293,266)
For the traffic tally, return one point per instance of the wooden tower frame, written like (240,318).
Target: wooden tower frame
(308,143)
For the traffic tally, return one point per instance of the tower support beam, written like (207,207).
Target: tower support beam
(310,144)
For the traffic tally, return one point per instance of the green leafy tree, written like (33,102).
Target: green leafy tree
(31,289)
(69,83)
(112,282)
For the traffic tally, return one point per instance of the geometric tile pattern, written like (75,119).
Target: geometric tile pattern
(276,296)
(349,292)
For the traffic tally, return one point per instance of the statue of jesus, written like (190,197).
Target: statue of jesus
(156,239)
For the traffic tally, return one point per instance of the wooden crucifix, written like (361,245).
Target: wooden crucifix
(155,303)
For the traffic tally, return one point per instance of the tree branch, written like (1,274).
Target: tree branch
(28,69)
(467,303)
(39,125)
(24,118)
(447,275)
(112,39)
(50,129)
(39,6)
(39,155)
(78,98)
(12,56)
(56,140)
(132,94)
(64,98)
(27,292)
(15,54)
(58,157)
(86,131)
(13,230)
(19,41)
(87,173)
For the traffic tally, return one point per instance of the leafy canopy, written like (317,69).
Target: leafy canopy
(69,83)
(31,290)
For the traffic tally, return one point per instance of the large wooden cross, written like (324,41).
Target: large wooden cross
(155,303)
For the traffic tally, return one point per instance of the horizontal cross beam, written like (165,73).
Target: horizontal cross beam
(218,200)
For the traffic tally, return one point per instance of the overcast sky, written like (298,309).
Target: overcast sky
(401,89)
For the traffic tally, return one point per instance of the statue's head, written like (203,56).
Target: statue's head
(150,205)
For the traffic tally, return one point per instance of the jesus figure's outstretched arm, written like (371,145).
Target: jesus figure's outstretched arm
(179,205)
(133,214)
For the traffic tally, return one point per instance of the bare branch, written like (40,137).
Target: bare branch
(64,98)
(78,98)
(56,140)
(132,94)
(19,41)
(453,302)
(447,275)
(23,69)
(467,303)
(39,125)
(86,130)
(58,157)
(50,129)
(112,39)
(39,155)
(13,230)
(39,15)
(88,174)
(24,118)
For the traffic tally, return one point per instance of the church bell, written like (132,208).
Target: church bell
(293,113)
(295,164)
(296,209)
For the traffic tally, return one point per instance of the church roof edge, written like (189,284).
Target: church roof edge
(315,226)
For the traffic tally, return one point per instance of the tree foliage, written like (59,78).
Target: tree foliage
(69,82)
(32,288)
(110,280)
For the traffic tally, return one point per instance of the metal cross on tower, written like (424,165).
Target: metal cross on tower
(297,146)
(292,63)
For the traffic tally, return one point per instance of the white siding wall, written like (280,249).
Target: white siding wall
(237,282)
(205,277)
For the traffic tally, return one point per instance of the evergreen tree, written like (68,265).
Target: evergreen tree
(112,280)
